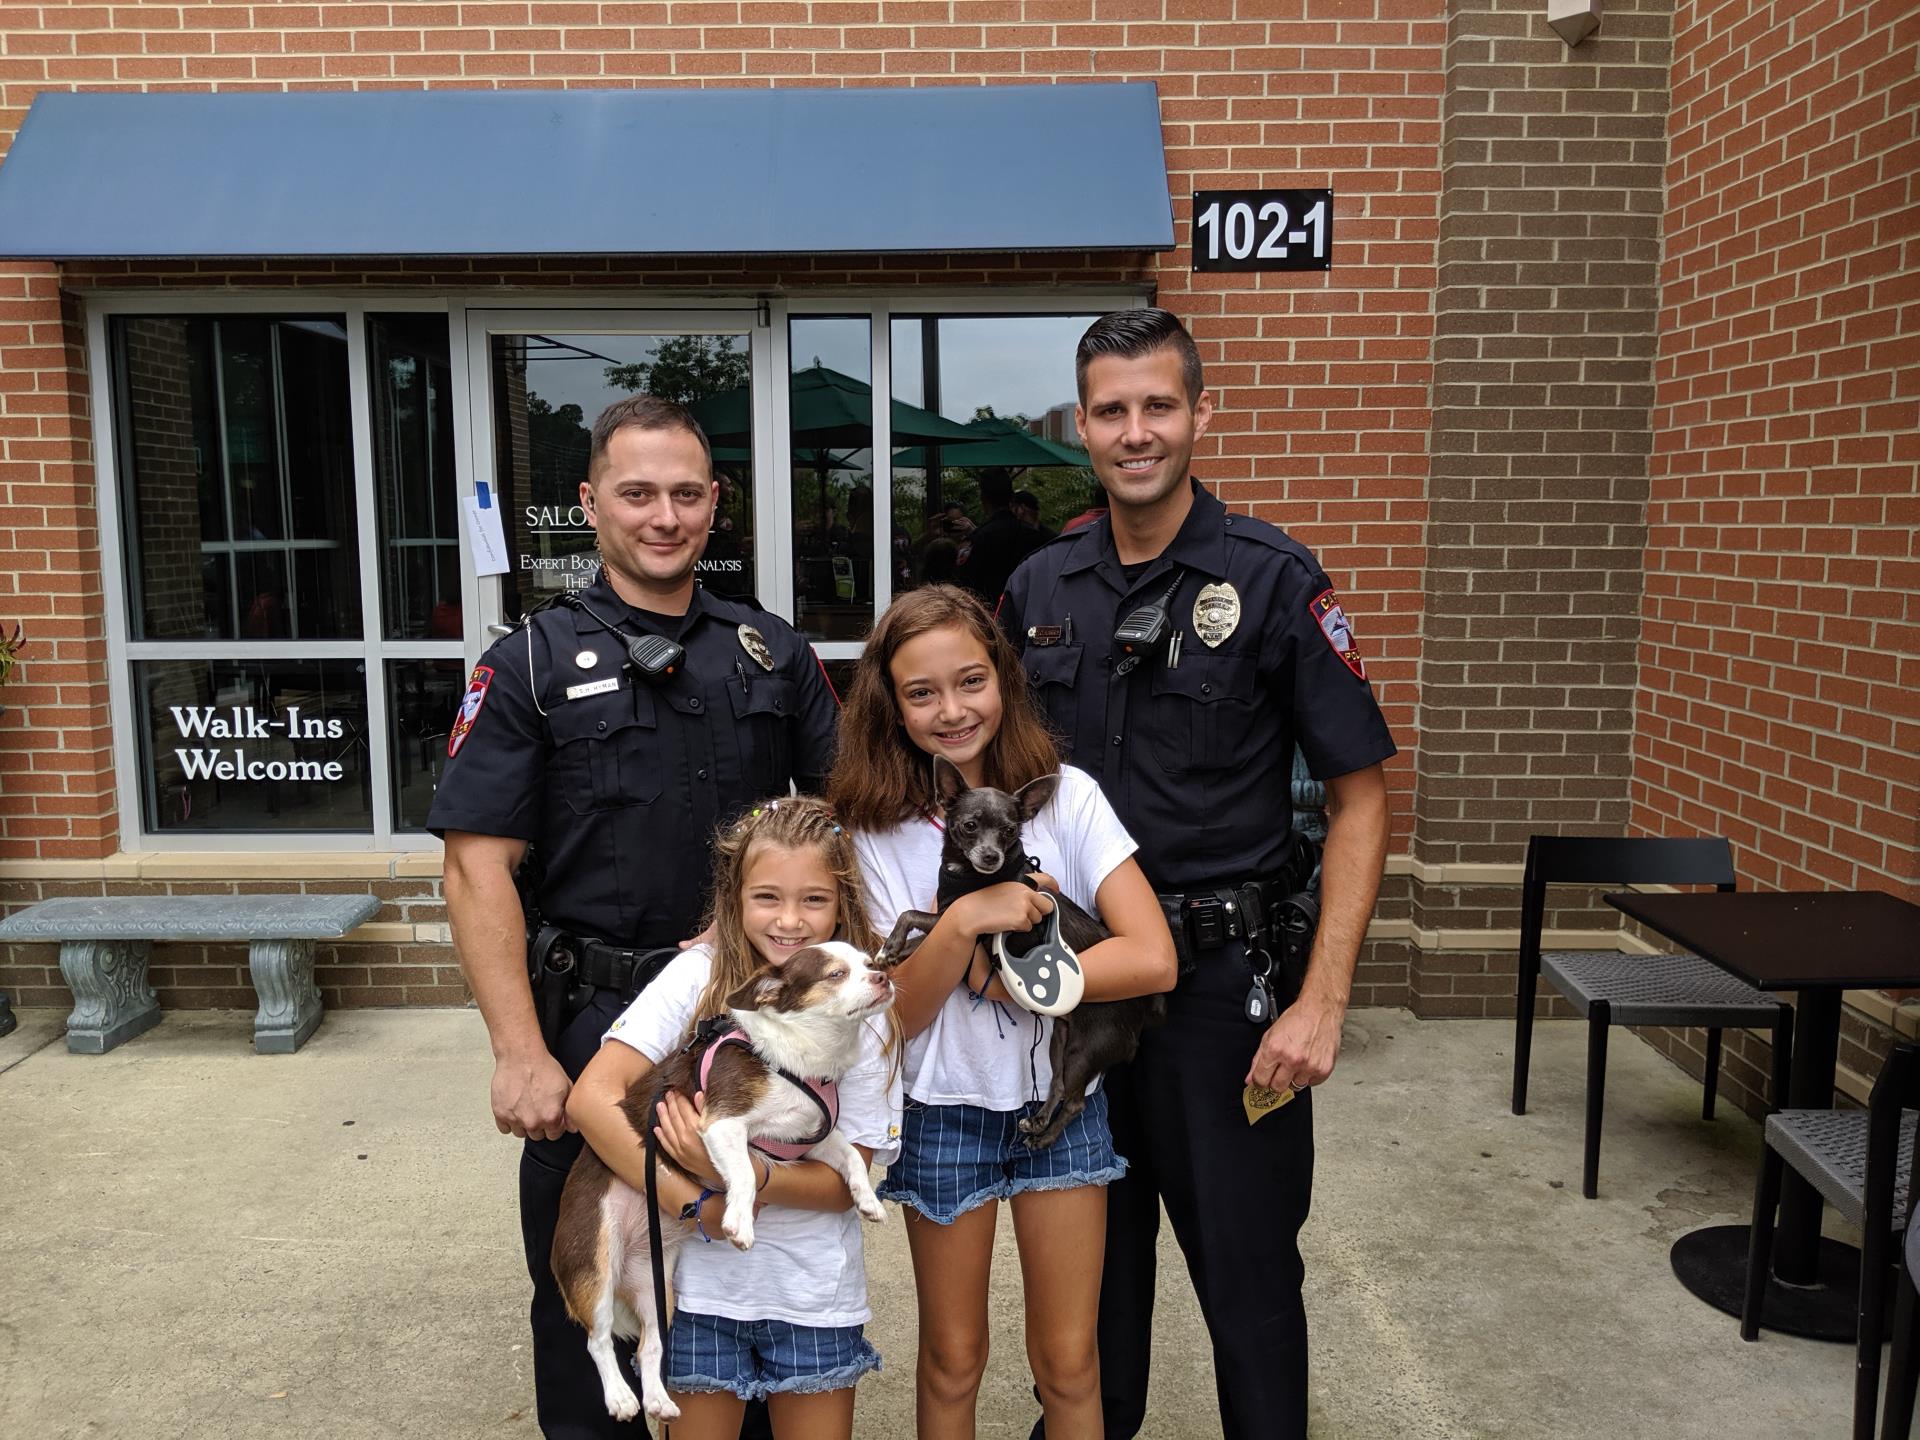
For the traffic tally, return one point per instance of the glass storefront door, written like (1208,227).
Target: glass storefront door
(549,375)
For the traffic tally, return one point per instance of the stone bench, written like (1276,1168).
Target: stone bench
(105,944)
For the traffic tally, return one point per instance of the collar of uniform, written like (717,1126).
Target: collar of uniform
(603,597)
(1200,544)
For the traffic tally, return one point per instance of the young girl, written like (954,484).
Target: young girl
(938,678)
(782,1320)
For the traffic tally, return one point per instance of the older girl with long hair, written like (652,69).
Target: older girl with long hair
(938,679)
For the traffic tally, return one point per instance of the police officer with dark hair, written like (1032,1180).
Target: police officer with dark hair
(1183,652)
(612,732)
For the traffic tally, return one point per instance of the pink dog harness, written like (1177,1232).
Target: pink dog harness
(824,1093)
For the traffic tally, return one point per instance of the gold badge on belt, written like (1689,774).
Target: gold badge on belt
(755,644)
(1216,613)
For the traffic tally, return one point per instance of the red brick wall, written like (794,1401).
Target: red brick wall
(1324,379)
(1779,699)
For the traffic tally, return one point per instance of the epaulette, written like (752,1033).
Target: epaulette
(745,599)
(1067,535)
(1249,527)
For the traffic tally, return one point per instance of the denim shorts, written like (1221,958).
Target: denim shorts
(955,1158)
(757,1358)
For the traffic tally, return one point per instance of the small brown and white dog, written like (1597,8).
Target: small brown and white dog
(802,1020)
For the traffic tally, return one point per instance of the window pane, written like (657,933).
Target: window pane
(831,414)
(238,745)
(547,392)
(412,379)
(422,697)
(967,512)
(236,456)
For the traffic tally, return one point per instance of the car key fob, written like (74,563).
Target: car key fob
(1047,979)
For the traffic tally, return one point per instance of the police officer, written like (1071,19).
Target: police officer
(1183,651)
(612,732)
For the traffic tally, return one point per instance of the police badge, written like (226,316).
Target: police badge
(1216,613)
(755,644)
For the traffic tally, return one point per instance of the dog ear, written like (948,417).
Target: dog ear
(948,783)
(1034,795)
(760,987)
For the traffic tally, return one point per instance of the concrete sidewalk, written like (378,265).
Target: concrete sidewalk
(200,1242)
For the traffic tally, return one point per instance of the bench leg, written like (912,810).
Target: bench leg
(289,1000)
(112,1000)
(7,1018)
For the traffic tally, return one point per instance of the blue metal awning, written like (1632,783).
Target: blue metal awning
(634,172)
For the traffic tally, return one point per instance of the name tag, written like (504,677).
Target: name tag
(596,687)
(1043,634)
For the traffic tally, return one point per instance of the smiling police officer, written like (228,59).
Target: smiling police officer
(1183,652)
(612,732)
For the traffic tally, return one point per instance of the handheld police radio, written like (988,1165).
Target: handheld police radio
(652,657)
(1146,628)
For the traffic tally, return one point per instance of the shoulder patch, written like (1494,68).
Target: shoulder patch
(1331,617)
(470,703)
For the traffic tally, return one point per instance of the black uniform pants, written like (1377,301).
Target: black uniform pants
(566,1382)
(1237,1196)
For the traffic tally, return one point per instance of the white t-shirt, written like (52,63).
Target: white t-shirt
(806,1267)
(995,1056)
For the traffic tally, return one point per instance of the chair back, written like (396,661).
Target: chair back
(1612,860)
(1896,1090)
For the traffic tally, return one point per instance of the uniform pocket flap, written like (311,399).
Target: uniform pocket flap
(597,716)
(1052,664)
(768,695)
(1206,678)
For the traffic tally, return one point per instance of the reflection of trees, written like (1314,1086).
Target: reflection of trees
(685,368)
(557,446)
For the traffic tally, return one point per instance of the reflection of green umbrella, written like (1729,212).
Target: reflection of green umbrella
(999,443)
(826,410)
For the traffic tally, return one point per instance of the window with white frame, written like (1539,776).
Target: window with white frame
(293,614)
(296,601)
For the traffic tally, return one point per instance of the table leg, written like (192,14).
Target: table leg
(1816,1055)
(1813,1290)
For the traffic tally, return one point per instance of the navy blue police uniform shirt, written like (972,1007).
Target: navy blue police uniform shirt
(621,782)
(1197,756)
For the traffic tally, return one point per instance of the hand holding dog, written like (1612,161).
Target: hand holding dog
(1011,908)
(680,1137)
(530,1097)
(1300,1046)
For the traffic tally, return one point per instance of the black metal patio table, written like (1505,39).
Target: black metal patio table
(1819,944)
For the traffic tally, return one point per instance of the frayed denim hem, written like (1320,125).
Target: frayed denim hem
(912,1200)
(708,1385)
(1072,1180)
(842,1379)
(1005,1190)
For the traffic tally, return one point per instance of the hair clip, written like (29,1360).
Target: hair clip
(836,829)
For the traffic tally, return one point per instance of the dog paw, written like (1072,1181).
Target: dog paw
(662,1409)
(738,1228)
(872,1211)
(622,1404)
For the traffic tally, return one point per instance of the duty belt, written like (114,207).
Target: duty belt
(1207,918)
(614,967)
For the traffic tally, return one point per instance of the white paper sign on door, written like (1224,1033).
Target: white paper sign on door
(485,532)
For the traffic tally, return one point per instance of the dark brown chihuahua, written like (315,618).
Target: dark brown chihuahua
(982,847)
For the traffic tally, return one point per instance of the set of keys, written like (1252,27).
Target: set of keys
(1260,1006)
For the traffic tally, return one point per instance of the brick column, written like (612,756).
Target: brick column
(1544,340)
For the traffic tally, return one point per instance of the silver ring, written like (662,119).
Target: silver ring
(1295,1086)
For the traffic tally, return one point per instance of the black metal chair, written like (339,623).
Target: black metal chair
(1861,1162)
(1609,988)
(1903,1371)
